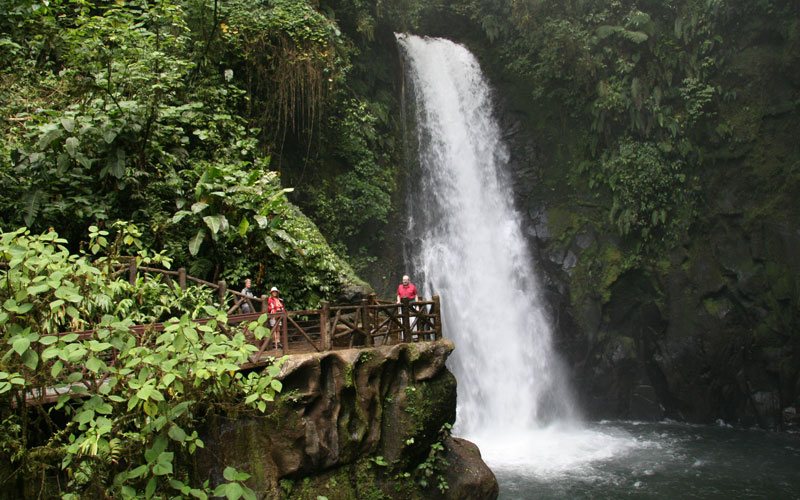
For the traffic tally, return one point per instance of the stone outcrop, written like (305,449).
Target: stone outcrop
(354,424)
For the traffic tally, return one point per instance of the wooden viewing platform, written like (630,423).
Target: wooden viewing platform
(370,322)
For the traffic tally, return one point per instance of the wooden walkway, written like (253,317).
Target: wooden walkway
(371,322)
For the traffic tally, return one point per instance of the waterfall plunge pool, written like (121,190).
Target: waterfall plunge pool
(612,459)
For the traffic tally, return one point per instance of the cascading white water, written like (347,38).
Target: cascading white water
(472,251)
(468,247)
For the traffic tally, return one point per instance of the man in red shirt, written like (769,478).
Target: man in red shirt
(406,290)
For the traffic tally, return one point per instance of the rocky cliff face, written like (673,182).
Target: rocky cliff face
(708,330)
(359,423)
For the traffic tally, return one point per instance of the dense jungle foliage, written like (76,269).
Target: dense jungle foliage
(648,91)
(127,410)
(188,132)
(150,129)
(170,114)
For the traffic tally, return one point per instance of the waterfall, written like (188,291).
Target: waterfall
(468,246)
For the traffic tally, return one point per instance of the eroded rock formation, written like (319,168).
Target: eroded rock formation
(355,423)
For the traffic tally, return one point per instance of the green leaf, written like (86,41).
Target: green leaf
(68,124)
(216,223)
(37,289)
(109,135)
(229,474)
(50,339)
(84,417)
(115,163)
(150,489)
(94,364)
(198,494)
(244,226)
(276,385)
(605,30)
(51,133)
(159,446)
(99,346)
(56,368)
(199,207)
(284,236)
(177,434)
(137,472)
(30,359)
(21,344)
(71,146)
(194,244)
(180,486)
(163,465)
(275,247)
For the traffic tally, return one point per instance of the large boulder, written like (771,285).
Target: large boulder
(350,424)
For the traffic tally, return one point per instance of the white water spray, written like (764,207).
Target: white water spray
(468,247)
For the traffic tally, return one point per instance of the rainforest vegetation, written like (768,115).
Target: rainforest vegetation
(265,139)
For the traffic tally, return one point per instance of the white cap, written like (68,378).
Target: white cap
(274,289)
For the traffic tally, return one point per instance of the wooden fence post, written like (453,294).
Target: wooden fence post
(284,331)
(366,321)
(264,303)
(324,334)
(406,305)
(223,290)
(437,313)
(132,271)
(182,278)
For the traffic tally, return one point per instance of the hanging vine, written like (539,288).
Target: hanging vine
(292,59)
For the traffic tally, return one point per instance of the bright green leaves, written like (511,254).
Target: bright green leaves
(10,380)
(11,305)
(236,192)
(216,223)
(261,388)
(233,489)
(122,393)
(21,340)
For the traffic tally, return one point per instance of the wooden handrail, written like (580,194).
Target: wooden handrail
(371,321)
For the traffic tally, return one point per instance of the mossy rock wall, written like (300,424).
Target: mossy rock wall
(349,424)
(706,328)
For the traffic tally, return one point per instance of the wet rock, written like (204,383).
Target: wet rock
(468,476)
(338,409)
(645,404)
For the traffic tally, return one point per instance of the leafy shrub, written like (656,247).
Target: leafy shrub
(131,404)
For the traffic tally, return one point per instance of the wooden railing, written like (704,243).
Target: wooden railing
(371,322)
(256,304)
(366,324)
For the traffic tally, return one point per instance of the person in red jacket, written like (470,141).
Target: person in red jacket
(406,293)
(275,306)
(406,290)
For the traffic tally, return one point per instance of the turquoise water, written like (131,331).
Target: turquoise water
(669,460)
